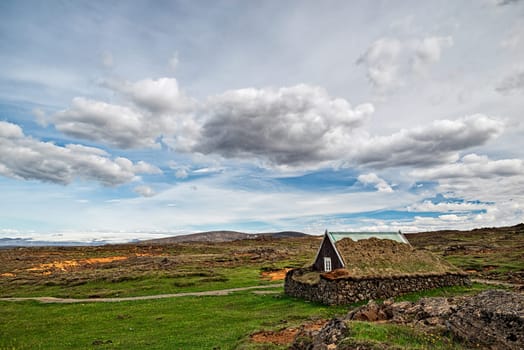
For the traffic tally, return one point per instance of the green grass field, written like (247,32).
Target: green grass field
(212,322)
(179,323)
(161,283)
(397,337)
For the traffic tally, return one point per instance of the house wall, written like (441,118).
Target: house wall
(326,249)
(351,290)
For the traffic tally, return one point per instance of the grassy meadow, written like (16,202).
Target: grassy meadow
(189,322)
(220,322)
(211,322)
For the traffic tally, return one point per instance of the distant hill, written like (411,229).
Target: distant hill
(222,236)
(284,234)
(486,236)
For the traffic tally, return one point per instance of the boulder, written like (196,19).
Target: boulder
(426,311)
(324,339)
(371,312)
(492,319)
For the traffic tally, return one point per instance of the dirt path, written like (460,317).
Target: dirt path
(143,297)
(497,283)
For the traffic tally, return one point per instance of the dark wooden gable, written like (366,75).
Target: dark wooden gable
(327,249)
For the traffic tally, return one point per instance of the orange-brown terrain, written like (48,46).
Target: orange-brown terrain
(184,263)
(493,253)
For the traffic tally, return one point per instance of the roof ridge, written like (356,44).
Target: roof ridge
(358,235)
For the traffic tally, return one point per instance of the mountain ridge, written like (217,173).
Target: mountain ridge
(222,236)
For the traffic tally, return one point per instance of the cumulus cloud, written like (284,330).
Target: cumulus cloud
(22,157)
(155,109)
(473,166)
(114,125)
(288,126)
(512,83)
(372,179)
(144,191)
(300,126)
(155,95)
(390,61)
(433,144)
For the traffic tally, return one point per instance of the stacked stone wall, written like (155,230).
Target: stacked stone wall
(350,290)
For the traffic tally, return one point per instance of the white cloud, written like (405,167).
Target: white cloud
(390,61)
(155,95)
(40,117)
(497,184)
(181,171)
(22,157)
(433,144)
(429,206)
(473,166)
(181,174)
(298,125)
(156,109)
(372,179)
(428,51)
(144,191)
(114,125)
(201,203)
(381,60)
(10,131)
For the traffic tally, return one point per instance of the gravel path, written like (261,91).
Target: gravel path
(143,297)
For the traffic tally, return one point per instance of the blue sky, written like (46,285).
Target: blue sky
(130,119)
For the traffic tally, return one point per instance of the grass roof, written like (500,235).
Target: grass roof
(386,258)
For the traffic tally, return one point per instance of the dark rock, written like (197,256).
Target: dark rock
(370,312)
(490,320)
(493,319)
(326,338)
(426,311)
(334,331)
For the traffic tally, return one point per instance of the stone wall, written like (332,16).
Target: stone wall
(350,290)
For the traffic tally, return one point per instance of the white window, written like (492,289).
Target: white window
(327,264)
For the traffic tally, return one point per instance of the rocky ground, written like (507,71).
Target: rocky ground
(493,319)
